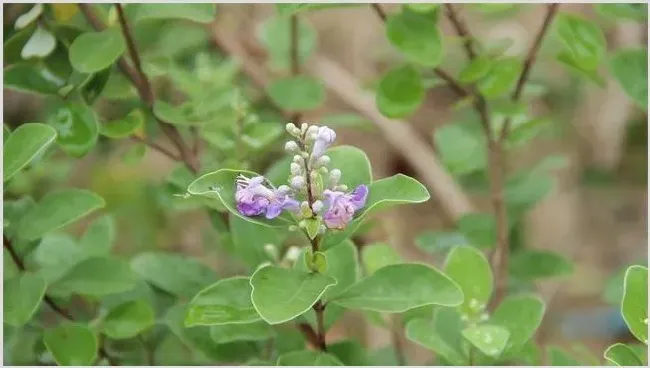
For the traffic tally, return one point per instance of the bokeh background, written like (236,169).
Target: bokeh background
(596,215)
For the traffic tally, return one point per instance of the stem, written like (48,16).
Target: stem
(46,298)
(156,147)
(398,346)
(380,12)
(461,30)
(295,58)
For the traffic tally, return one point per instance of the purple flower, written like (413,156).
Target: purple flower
(324,138)
(342,206)
(254,199)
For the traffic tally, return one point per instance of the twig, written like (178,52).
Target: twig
(396,340)
(295,58)
(461,30)
(528,64)
(380,12)
(156,147)
(46,298)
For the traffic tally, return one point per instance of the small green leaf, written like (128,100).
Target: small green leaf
(188,278)
(559,357)
(479,229)
(501,77)
(29,16)
(462,150)
(341,266)
(56,254)
(417,37)
(200,13)
(256,331)
(400,92)
(521,316)
(532,264)
(249,239)
(349,352)
(124,127)
(22,297)
(57,209)
(41,44)
(226,302)
(634,306)
(312,227)
(476,69)
(296,93)
(275,35)
(77,128)
(378,255)
(32,78)
(319,262)
(177,115)
(621,355)
(629,67)
(469,268)
(280,295)
(99,236)
(400,287)
(442,334)
(440,241)
(491,340)
(422,7)
(576,68)
(135,154)
(97,277)
(583,39)
(71,344)
(23,145)
(95,51)
(308,358)
(128,320)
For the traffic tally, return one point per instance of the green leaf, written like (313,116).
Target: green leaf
(280,295)
(400,287)
(29,16)
(576,68)
(559,357)
(177,115)
(124,127)
(341,266)
(462,151)
(400,92)
(57,209)
(634,306)
(22,297)
(95,51)
(99,236)
(128,320)
(529,265)
(56,254)
(501,77)
(629,67)
(422,7)
(135,154)
(221,185)
(319,262)
(23,145)
(188,278)
(349,352)
(347,120)
(442,334)
(41,44)
(256,331)
(308,358)
(379,255)
(521,316)
(583,39)
(228,301)
(312,227)
(77,128)
(623,11)
(440,241)
(249,239)
(296,93)
(479,229)
(491,340)
(417,37)
(469,268)
(96,276)
(476,69)
(621,355)
(275,35)
(201,13)
(95,86)
(32,78)
(71,344)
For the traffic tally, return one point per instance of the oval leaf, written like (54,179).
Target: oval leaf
(621,355)
(583,39)
(57,209)
(634,306)
(280,295)
(256,331)
(341,266)
(99,236)
(532,264)
(95,51)
(521,316)
(125,127)
(22,296)
(469,268)
(41,44)
(96,276)
(77,128)
(376,256)
(23,145)
(226,302)
(398,288)
(32,78)
(128,320)
(629,67)
(416,36)
(296,93)
(71,344)
(275,35)
(491,340)
(442,334)
(400,92)
(501,77)
(308,358)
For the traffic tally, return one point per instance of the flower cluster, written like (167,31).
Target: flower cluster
(314,191)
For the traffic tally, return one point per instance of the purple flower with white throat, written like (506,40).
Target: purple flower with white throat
(324,138)
(254,199)
(341,206)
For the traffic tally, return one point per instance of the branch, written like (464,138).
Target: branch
(46,298)
(295,58)
(380,12)
(530,60)
(461,30)
(156,147)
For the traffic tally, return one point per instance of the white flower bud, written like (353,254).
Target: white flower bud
(317,206)
(271,250)
(323,170)
(323,161)
(283,189)
(322,229)
(313,129)
(291,147)
(296,132)
(297,158)
(290,127)
(296,169)
(312,137)
(335,176)
(297,182)
(303,127)
(314,175)
(341,188)
(292,253)
(304,154)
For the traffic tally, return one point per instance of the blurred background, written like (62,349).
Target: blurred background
(596,214)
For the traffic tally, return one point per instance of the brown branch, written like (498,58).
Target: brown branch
(309,334)
(46,298)
(462,30)
(396,340)
(380,12)
(551,11)
(295,59)
(156,147)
